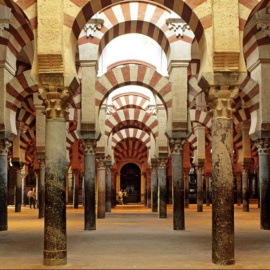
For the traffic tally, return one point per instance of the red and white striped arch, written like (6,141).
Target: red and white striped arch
(131,133)
(130,148)
(133,17)
(201,117)
(17,90)
(18,36)
(130,100)
(187,11)
(134,75)
(130,118)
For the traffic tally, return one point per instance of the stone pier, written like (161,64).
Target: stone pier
(207,188)
(18,193)
(108,185)
(41,187)
(76,174)
(186,183)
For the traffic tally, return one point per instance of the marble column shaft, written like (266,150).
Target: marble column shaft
(4,145)
(263,151)
(239,188)
(178,189)
(55,245)
(222,192)
(145,189)
(76,175)
(18,193)
(148,188)
(113,190)
(101,171)
(89,185)
(245,187)
(162,182)
(199,170)
(186,183)
(108,189)
(41,188)
(154,189)
(221,100)
(207,187)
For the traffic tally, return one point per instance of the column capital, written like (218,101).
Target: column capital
(221,100)
(4,146)
(162,163)
(263,146)
(55,95)
(89,146)
(245,168)
(154,170)
(200,168)
(176,146)
(101,163)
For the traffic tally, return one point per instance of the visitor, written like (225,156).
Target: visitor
(32,198)
(120,197)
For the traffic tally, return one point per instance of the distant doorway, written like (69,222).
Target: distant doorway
(130,180)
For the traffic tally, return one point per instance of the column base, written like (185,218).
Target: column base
(3,227)
(199,208)
(89,228)
(265,227)
(54,258)
(226,262)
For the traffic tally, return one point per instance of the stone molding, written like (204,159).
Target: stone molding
(221,100)
(4,146)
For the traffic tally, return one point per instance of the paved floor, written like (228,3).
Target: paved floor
(132,237)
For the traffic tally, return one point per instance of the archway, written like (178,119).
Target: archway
(130,180)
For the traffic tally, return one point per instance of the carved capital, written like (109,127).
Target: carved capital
(265,28)
(200,169)
(108,169)
(4,145)
(101,163)
(177,26)
(54,95)
(263,146)
(154,170)
(221,100)
(176,146)
(41,162)
(89,147)
(162,162)
(245,168)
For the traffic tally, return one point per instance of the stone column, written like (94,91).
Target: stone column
(18,194)
(108,186)
(4,145)
(145,189)
(186,183)
(263,151)
(207,187)
(199,171)
(178,193)
(23,187)
(245,187)
(41,186)
(55,99)
(162,182)
(113,190)
(76,174)
(221,102)
(89,184)
(239,187)
(148,174)
(154,186)
(101,207)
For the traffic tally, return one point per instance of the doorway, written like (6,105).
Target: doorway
(130,180)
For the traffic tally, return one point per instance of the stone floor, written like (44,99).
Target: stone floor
(132,237)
